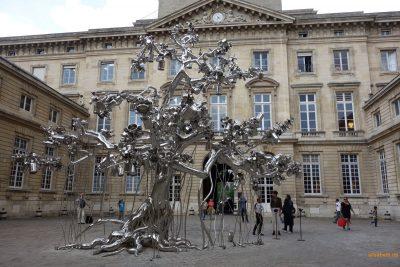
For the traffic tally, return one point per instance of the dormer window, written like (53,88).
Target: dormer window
(386,32)
(338,33)
(70,49)
(108,46)
(40,51)
(303,34)
(11,53)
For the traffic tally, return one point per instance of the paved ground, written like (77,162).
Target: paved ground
(31,242)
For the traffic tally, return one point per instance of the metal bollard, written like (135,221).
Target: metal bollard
(3,214)
(387,216)
(276,224)
(301,230)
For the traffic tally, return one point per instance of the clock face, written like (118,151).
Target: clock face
(218,17)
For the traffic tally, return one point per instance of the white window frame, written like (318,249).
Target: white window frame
(339,54)
(174,67)
(54,116)
(104,123)
(69,183)
(383,172)
(47,175)
(108,67)
(354,178)
(266,186)
(312,163)
(98,177)
(138,75)
(219,106)
(134,117)
(302,56)
(17,169)
(133,182)
(174,194)
(344,102)
(396,107)
(265,105)
(377,119)
(307,103)
(24,103)
(175,101)
(41,68)
(69,74)
(261,57)
(390,56)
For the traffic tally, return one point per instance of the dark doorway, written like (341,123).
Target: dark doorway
(222,192)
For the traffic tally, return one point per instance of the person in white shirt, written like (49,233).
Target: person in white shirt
(258,208)
(338,207)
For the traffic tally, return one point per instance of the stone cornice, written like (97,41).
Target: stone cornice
(344,84)
(306,85)
(391,85)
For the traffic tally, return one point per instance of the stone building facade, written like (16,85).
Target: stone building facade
(327,71)
(27,104)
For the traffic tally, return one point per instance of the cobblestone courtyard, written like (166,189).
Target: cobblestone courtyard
(31,242)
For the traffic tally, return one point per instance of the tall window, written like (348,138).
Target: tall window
(48,172)
(133,182)
(54,115)
(266,187)
(383,169)
(175,188)
(350,174)
(134,117)
(304,62)
(218,110)
(98,177)
(396,106)
(308,112)
(69,183)
(103,123)
(341,60)
(26,103)
(262,105)
(39,72)
(389,60)
(17,170)
(345,110)
(175,67)
(261,60)
(137,75)
(175,101)
(377,119)
(311,174)
(107,71)
(69,75)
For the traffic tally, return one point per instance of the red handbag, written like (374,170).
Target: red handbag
(341,222)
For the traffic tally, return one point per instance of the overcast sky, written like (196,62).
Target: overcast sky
(24,17)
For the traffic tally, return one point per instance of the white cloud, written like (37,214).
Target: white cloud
(12,26)
(73,15)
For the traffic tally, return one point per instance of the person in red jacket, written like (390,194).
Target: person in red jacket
(211,209)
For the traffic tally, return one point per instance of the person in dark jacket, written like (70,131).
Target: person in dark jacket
(346,212)
(276,209)
(288,210)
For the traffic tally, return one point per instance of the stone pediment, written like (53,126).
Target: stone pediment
(222,13)
(264,82)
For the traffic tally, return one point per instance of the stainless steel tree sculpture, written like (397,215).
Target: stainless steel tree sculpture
(168,130)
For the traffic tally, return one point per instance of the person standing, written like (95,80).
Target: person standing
(81,204)
(243,207)
(338,208)
(121,209)
(288,211)
(276,209)
(204,206)
(375,216)
(346,210)
(258,208)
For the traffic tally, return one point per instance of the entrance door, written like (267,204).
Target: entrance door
(266,187)
(221,189)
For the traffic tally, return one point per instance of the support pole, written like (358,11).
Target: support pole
(301,231)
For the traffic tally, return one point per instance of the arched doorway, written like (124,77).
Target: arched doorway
(221,188)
